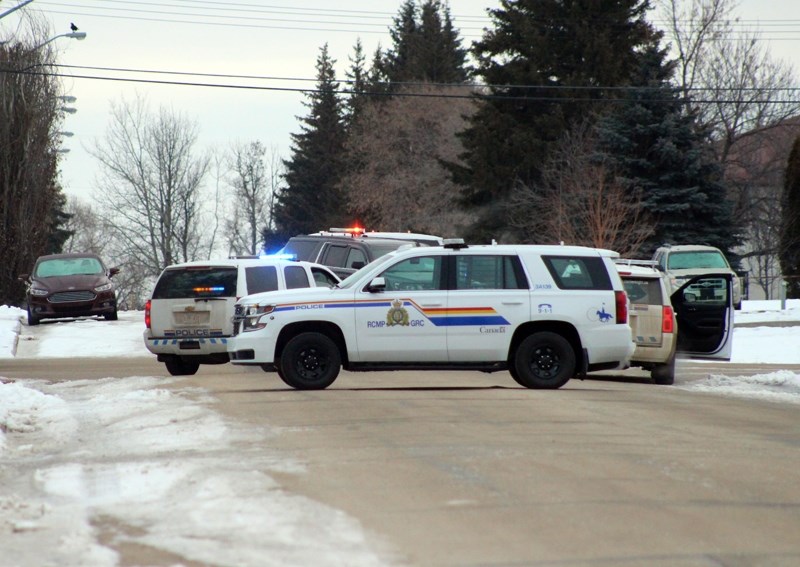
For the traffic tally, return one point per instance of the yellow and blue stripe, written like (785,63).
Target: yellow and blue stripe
(439,316)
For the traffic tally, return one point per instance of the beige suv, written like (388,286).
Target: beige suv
(652,321)
(685,322)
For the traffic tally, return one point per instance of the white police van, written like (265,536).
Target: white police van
(188,317)
(544,313)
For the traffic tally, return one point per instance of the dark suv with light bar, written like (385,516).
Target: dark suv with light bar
(346,250)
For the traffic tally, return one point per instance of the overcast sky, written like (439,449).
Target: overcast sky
(258,38)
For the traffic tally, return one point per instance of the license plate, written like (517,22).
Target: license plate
(192,318)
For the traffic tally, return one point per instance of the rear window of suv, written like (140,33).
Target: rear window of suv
(196,282)
(578,272)
(643,291)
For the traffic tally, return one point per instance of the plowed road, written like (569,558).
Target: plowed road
(465,468)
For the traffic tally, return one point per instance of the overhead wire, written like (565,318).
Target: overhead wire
(739,28)
(410,94)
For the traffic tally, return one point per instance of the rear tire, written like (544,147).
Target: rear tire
(544,360)
(664,374)
(179,367)
(310,361)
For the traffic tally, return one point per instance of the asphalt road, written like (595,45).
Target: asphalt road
(465,468)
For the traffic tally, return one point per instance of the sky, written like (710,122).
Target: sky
(73,450)
(256,38)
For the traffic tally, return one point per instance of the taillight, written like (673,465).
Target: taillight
(147,314)
(621,299)
(667,320)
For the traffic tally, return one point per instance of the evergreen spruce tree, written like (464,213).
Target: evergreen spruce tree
(310,200)
(377,79)
(789,253)
(357,80)
(663,153)
(539,59)
(425,46)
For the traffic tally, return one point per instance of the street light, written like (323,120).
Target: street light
(79,35)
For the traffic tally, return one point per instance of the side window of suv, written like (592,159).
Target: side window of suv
(578,272)
(323,278)
(488,272)
(418,273)
(356,259)
(261,278)
(336,255)
(296,277)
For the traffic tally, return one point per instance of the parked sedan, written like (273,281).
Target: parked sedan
(70,285)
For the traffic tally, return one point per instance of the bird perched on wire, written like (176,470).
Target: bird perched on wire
(73,27)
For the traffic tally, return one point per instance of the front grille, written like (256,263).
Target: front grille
(70,296)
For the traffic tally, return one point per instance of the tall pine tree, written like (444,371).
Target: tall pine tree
(548,63)
(310,200)
(789,253)
(425,46)
(663,155)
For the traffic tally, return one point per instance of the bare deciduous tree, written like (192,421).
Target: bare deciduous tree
(395,149)
(747,99)
(152,179)
(88,231)
(581,201)
(255,179)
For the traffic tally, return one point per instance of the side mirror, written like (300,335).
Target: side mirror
(377,284)
(113,272)
(357,265)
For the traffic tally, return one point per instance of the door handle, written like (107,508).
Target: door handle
(431,304)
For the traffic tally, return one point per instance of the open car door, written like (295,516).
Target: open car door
(704,315)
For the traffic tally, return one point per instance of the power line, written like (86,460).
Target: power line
(429,84)
(471,95)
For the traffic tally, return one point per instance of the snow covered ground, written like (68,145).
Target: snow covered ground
(168,468)
(163,459)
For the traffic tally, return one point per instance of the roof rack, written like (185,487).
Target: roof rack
(635,262)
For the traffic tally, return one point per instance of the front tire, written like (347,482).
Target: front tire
(113,316)
(32,319)
(544,360)
(310,361)
(178,367)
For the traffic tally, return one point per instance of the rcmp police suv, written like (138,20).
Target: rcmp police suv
(544,313)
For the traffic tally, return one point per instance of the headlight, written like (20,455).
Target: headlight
(38,291)
(250,316)
(104,287)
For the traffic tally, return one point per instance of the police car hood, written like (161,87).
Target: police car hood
(288,295)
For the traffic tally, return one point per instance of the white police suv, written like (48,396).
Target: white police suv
(188,318)
(544,313)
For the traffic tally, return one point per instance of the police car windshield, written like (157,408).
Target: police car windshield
(350,280)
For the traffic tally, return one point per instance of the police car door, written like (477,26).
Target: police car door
(399,323)
(488,299)
(704,315)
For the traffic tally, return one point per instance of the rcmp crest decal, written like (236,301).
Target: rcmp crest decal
(397,315)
